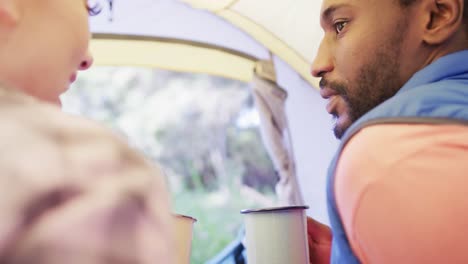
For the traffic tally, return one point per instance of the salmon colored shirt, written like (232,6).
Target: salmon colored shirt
(402,193)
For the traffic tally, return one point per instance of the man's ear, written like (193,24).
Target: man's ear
(9,14)
(444,19)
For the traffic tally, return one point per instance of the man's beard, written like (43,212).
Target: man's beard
(377,81)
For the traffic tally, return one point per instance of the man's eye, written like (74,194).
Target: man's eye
(339,26)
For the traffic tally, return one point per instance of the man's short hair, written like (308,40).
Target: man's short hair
(406,3)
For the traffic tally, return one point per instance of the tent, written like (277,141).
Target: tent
(269,43)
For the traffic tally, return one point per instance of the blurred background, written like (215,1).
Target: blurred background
(203,130)
(219,93)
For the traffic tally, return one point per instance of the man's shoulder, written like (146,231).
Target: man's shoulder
(389,143)
(380,153)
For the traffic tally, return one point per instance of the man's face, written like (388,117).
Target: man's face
(360,56)
(45,46)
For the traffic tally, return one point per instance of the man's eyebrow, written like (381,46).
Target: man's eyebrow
(328,12)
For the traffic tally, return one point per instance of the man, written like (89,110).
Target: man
(395,73)
(71,191)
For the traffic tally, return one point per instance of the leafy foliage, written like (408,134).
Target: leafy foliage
(202,129)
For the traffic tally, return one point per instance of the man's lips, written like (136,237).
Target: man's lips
(332,97)
(332,104)
(327,92)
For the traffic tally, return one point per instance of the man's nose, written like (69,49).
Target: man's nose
(323,62)
(86,62)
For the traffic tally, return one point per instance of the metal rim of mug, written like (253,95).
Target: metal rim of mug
(274,209)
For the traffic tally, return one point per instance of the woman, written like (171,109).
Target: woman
(71,191)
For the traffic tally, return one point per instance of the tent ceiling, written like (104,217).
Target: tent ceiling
(176,20)
(293,22)
(159,53)
(289,29)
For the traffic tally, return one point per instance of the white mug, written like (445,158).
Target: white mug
(276,235)
(183,227)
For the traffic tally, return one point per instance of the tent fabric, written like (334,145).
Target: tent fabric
(289,29)
(172,54)
(270,101)
(286,31)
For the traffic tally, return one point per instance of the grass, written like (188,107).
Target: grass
(219,219)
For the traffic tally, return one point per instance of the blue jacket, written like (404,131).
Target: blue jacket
(437,94)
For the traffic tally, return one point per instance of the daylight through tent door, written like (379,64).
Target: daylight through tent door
(270,100)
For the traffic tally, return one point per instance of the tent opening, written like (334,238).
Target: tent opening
(203,130)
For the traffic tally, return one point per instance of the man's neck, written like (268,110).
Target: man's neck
(457,43)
